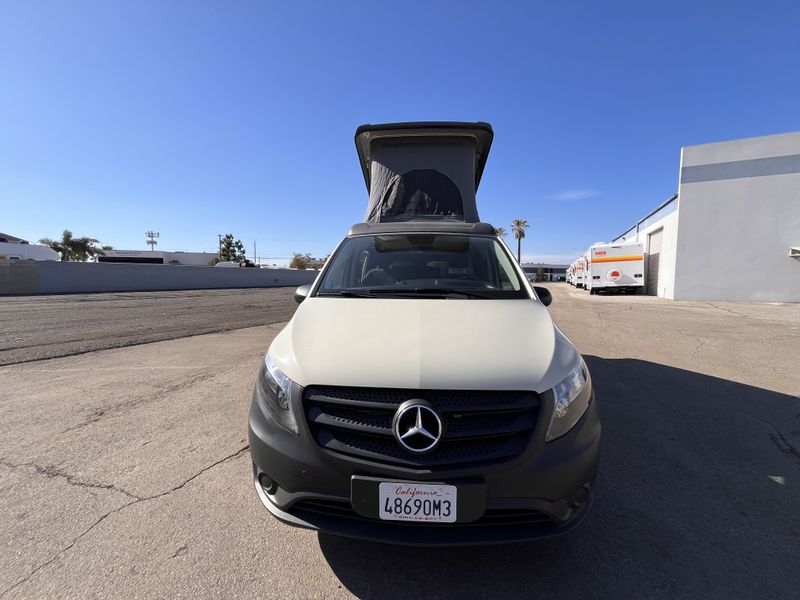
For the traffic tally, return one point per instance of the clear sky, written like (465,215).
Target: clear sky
(201,118)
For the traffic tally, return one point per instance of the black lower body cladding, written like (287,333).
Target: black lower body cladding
(521,490)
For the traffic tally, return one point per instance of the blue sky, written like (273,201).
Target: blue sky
(201,118)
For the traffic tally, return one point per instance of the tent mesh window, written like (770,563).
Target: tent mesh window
(420,193)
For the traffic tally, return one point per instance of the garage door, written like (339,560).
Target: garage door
(653,261)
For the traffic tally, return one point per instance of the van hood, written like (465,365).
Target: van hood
(424,344)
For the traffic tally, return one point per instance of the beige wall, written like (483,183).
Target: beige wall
(739,214)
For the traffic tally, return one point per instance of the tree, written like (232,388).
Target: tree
(72,248)
(500,231)
(300,261)
(518,227)
(230,250)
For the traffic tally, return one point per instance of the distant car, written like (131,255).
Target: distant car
(228,264)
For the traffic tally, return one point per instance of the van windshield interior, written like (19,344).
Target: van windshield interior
(422,265)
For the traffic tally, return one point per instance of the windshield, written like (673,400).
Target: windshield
(432,265)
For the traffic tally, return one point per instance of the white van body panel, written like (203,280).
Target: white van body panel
(421,343)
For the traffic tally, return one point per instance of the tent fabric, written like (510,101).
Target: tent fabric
(417,193)
(423,171)
(422,179)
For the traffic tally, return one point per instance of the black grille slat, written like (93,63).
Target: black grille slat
(376,425)
(492,517)
(479,426)
(445,400)
(490,425)
(446,453)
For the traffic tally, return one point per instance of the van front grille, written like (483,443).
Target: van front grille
(479,426)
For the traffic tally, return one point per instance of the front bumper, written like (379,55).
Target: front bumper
(545,492)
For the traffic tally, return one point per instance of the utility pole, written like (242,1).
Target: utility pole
(255,260)
(219,245)
(151,239)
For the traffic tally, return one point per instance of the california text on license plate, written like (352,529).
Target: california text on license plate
(417,502)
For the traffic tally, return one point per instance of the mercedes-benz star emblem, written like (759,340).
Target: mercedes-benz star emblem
(417,426)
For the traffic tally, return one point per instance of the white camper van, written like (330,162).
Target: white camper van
(401,404)
(615,266)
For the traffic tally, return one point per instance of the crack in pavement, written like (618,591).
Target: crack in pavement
(160,393)
(53,471)
(777,438)
(729,310)
(135,500)
(783,444)
(700,341)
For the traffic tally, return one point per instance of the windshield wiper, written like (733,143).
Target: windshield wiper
(348,294)
(443,292)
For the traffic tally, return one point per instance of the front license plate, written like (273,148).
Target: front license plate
(417,502)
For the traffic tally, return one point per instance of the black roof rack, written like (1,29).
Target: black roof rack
(433,226)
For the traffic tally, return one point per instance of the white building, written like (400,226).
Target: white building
(732,232)
(196,259)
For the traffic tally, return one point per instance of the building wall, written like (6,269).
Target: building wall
(666,218)
(739,214)
(669,223)
(199,259)
(50,277)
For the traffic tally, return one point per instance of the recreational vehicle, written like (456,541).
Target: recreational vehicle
(14,251)
(617,266)
(580,271)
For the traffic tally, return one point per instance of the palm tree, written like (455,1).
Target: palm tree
(500,231)
(518,227)
(72,248)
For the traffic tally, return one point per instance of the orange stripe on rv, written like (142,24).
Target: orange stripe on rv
(605,259)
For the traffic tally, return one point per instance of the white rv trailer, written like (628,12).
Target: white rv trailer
(13,251)
(570,272)
(580,271)
(617,266)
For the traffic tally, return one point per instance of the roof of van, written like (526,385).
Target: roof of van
(433,226)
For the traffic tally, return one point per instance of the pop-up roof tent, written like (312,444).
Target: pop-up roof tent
(423,171)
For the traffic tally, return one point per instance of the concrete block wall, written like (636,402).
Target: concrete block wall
(51,277)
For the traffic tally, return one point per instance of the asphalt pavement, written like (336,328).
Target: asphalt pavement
(39,327)
(124,472)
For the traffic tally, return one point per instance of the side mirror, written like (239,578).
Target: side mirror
(544,295)
(301,293)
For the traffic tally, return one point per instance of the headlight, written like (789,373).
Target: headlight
(274,392)
(569,403)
